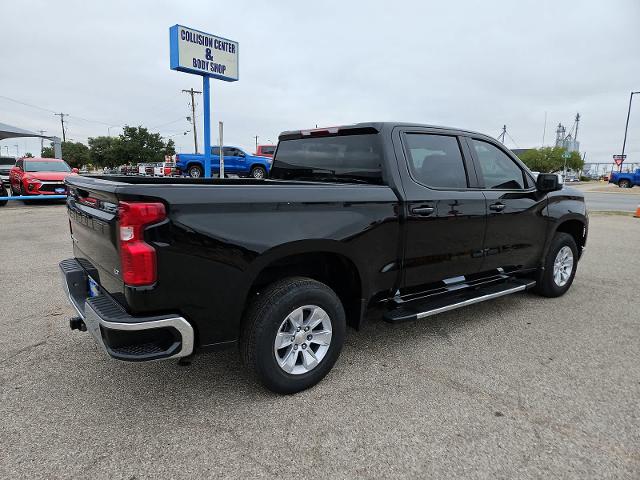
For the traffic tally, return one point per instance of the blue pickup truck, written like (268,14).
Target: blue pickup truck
(236,162)
(625,180)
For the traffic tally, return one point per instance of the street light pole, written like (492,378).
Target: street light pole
(626,127)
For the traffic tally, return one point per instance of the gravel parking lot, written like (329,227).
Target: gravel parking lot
(520,387)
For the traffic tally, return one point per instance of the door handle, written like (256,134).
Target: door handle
(424,211)
(497,207)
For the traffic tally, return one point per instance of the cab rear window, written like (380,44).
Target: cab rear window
(341,158)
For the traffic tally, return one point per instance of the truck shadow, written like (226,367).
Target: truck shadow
(221,375)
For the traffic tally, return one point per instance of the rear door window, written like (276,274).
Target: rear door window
(436,160)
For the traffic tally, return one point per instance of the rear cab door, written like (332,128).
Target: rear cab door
(516,227)
(445,210)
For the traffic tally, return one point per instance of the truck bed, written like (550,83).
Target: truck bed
(219,233)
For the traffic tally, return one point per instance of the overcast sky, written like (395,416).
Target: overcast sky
(470,64)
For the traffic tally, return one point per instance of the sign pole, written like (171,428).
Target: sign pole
(220,127)
(207,126)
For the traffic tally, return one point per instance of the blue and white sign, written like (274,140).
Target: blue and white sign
(193,51)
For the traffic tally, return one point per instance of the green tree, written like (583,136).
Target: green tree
(76,154)
(103,151)
(47,152)
(170,148)
(551,159)
(28,155)
(138,145)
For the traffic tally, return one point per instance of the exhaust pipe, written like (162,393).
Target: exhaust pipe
(76,323)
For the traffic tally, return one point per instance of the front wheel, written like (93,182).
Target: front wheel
(3,194)
(624,184)
(195,171)
(258,172)
(559,266)
(293,334)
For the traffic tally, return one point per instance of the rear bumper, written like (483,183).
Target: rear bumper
(119,334)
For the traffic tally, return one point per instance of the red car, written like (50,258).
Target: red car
(265,150)
(39,176)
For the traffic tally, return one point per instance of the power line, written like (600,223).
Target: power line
(168,123)
(514,142)
(26,104)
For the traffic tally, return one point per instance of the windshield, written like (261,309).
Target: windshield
(7,161)
(345,158)
(45,166)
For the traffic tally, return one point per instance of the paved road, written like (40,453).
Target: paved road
(522,387)
(611,201)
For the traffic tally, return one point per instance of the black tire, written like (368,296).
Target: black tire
(546,285)
(624,183)
(195,171)
(258,172)
(13,192)
(263,320)
(3,193)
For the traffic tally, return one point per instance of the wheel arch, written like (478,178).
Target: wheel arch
(324,263)
(194,163)
(574,226)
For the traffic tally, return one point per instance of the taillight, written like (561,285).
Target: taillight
(167,171)
(138,258)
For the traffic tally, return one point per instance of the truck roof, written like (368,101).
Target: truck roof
(374,127)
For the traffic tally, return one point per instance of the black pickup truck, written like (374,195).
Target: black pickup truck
(391,219)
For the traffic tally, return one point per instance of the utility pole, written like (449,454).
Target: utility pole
(193,92)
(575,136)
(256,137)
(504,132)
(41,141)
(626,127)
(62,115)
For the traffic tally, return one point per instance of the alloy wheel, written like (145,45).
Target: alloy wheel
(303,339)
(563,266)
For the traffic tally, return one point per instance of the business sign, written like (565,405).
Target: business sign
(193,51)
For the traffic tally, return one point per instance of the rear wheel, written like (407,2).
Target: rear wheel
(624,183)
(293,335)
(195,171)
(258,172)
(559,266)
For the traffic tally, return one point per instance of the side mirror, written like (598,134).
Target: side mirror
(74,170)
(548,182)
(241,154)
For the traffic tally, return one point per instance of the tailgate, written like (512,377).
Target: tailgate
(92,219)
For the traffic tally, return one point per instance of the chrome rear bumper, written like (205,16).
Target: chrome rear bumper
(119,334)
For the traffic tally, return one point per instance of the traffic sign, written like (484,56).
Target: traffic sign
(618,159)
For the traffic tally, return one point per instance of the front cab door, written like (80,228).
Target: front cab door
(516,227)
(445,210)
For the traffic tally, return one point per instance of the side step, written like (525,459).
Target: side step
(425,308)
